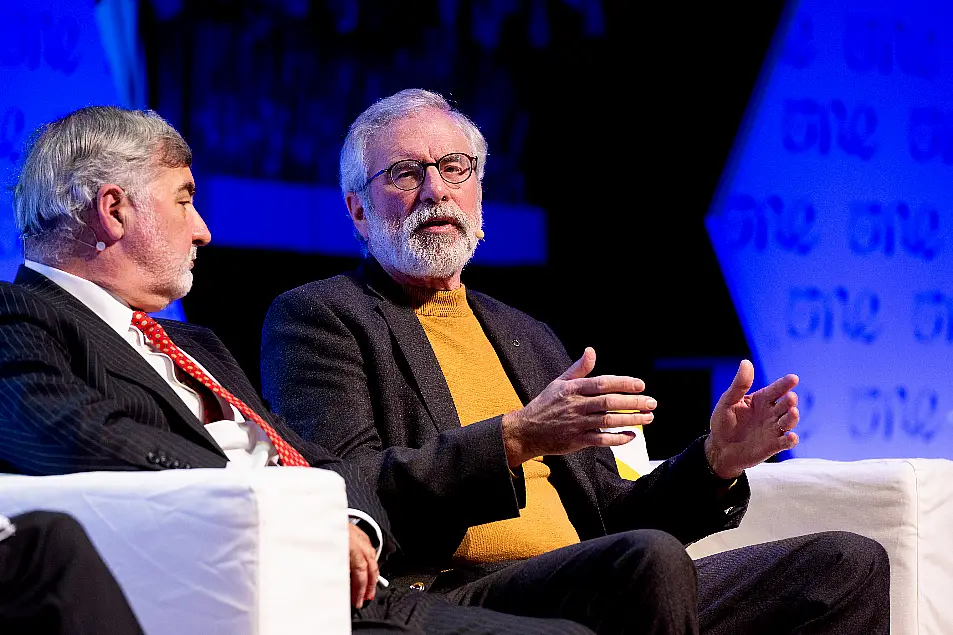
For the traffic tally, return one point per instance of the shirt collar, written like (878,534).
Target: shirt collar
(111,309)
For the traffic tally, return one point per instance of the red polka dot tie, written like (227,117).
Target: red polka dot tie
(157,335)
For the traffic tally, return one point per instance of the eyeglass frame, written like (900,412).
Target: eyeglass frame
(424,166)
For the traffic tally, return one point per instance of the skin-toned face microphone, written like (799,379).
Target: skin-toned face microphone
(479,234)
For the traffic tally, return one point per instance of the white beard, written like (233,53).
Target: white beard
(420,254)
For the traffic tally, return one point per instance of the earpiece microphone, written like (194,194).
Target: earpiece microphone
(479,234)
(100,246)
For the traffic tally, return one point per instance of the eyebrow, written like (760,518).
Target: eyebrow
(188,186)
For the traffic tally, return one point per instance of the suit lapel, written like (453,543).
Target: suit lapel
(116,355)
(424,367)
(519,359)
(515,351)
(413,344)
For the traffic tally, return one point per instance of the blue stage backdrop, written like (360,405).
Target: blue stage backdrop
(56,56)
(834,222)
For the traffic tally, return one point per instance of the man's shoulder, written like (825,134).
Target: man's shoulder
(19,299)
(12,290)
(340,289)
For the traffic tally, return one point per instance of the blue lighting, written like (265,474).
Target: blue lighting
(833,225)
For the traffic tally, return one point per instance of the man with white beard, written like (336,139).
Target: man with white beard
(487,442)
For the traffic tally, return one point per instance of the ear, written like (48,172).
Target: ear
(355,207)
(109,215)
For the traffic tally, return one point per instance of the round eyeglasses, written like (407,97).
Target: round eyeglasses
(408,174)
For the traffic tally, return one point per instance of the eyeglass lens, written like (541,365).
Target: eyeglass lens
(453,168)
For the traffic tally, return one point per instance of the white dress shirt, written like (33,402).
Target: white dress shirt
(7,528)
(245,444)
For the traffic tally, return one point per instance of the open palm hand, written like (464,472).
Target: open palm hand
(747,429)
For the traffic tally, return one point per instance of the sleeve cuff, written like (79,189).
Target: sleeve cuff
(7,528)
(362,520)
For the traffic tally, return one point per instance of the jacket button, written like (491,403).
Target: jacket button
(176,464)
(418,586)
(187,466)
(152,458)
(516,342)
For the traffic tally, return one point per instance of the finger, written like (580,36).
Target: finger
(606,384)
(582,366)
(740,385)
(788,441)
(606,439)
(789,420)
(373,572)
(358,581)
(779,387)
(625,404)
(620,420)
(784,404)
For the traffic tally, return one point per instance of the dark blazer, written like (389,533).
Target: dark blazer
(347,361)
(74,396)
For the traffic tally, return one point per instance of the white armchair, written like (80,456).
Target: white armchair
(212,551)
(261,552)
(905,504)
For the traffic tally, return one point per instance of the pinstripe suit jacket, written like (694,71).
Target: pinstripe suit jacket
(347,361)
(74,396)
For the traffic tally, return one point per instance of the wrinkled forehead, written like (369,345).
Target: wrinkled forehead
(425,136)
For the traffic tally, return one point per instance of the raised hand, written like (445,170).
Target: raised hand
(568,414)
(747,429)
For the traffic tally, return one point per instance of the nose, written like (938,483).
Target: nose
(201,236)
(434,188)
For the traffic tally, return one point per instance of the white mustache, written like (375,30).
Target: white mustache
(425,212)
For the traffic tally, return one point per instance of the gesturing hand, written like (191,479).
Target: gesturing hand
(568,414)
(364,570)
(747,429)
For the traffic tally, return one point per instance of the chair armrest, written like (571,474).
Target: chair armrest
(905,504)
(212,551)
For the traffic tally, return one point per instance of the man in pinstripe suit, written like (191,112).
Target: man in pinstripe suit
(104,204)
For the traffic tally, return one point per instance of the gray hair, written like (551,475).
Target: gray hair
(382,113)
(70,158)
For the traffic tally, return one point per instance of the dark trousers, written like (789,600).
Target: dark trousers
(643,582)
(421,613)
(53,582)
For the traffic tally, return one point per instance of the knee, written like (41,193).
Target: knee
(63,528)
(855,548)
(61,535)
(853,554)
(657,554)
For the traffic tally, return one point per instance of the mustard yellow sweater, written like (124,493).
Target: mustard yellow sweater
(480,390)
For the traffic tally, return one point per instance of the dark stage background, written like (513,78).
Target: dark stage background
(619,129)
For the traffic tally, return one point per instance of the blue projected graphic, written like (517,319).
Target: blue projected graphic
(53,59)
(834,225)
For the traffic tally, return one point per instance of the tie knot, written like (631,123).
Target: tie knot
(150,328)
